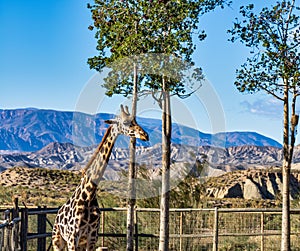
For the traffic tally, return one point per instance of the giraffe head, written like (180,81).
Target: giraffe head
(126,125)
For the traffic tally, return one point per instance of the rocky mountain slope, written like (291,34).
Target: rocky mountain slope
(185,158)
(33,129)
(39,186)
(252,184)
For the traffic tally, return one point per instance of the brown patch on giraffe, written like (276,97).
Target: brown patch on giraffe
(84,195)
(80,203)
(90,187)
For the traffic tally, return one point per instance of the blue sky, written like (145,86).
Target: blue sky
(44,47)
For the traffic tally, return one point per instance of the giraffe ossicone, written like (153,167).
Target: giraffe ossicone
(77,222)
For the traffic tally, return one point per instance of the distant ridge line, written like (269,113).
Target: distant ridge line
(31,129)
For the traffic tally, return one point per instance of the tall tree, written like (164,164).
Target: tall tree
(132,169)
(117,37)
(128,28)
(274,38)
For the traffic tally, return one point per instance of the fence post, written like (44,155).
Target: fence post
(136,229)
(16,225)
(24,228)
(15,212)
(1,237)
(6,232)
(216,223)
(180,230)
(103,227)
(262,229)
(41,229)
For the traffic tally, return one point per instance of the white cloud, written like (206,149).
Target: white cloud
(269,107)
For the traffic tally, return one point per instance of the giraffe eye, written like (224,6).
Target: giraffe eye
(127,123)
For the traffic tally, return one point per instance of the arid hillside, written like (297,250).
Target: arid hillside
(39,186)
(251,184)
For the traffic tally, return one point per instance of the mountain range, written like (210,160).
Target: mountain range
(202,162)
(32,129)
(185,159)
(67,140)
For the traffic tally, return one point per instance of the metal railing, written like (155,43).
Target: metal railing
(201,229)
(190,229)
(9,233)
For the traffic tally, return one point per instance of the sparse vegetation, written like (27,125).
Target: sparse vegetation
(51,188)
(44,187)
(37,186)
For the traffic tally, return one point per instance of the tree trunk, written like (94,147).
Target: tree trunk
(286,165)
(293,123)
(166,153)
(288,157)
(132,172)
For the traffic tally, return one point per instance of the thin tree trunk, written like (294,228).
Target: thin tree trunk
(132,171)
(166,153)
(294,123)
(286,229)
(285,234)
(288,147)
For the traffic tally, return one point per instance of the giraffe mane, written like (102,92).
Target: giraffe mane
(97,150)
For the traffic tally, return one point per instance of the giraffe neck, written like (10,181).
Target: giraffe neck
(95,168)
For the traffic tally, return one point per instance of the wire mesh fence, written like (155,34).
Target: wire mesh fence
(203,229)
(190,229)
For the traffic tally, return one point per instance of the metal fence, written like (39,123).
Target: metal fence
(190,229)
(201,229)
(9,232)
(26,229)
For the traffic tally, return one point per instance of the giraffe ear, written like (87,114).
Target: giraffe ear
(110,122)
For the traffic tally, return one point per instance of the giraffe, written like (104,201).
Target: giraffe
(77,221)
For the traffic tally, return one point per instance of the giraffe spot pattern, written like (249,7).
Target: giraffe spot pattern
(84,195)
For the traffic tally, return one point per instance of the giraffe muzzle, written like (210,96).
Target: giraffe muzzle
(144,136)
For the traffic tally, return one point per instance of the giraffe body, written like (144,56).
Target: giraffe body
(77,221)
